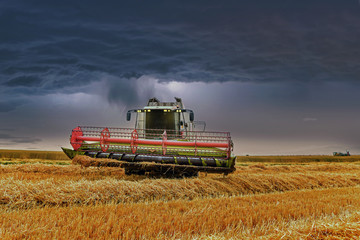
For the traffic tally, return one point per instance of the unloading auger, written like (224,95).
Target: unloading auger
(166,140)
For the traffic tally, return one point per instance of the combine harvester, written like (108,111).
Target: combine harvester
(165,141)
(341,154)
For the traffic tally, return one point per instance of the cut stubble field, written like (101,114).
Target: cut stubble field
(54,199)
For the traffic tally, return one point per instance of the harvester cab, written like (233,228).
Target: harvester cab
(165,140)
(158,116)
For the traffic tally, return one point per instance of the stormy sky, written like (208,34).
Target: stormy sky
(282,76)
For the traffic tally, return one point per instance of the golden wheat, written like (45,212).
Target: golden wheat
(298,159)
(36,172)
(23,154)
(245,217)
(57,191)
(297,199)
(342,226)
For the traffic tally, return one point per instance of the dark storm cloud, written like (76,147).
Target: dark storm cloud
(61,46)
(65,44)
(121,91)
(25,81)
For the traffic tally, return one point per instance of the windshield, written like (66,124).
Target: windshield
(159,119)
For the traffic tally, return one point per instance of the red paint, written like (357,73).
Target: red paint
(74,140)
(134,139)
(104,143)
(77,140)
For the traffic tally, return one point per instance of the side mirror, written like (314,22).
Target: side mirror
(191,116)
(128,116)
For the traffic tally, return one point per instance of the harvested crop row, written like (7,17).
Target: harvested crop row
(298,159)
(342,226)
(24,194)
(324,167)
(252,168)
(234,217)
(36,172)
(320,167)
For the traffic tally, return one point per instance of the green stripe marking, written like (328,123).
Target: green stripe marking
(218,164)
(203,162)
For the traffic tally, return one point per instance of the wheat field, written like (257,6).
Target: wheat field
(44,198)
